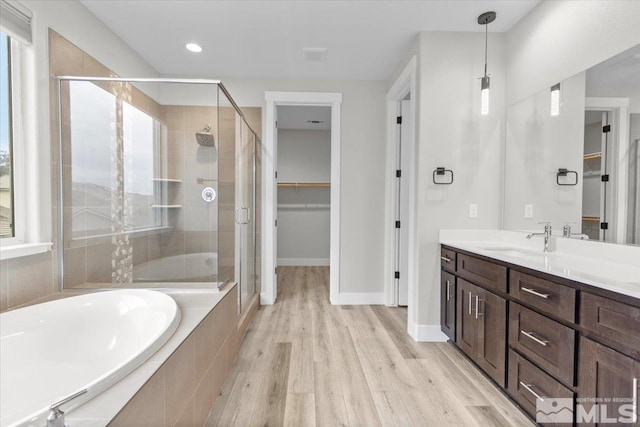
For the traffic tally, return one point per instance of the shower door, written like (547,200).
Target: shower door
(246,211)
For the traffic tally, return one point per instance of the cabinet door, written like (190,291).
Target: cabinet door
(466,323)
(448,304)
(606,374)
(491,314)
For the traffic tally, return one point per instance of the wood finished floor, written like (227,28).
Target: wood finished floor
(305,362)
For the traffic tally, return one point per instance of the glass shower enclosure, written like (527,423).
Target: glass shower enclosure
(159,186)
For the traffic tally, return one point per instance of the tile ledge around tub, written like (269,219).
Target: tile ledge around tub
(23,249)
(108,404)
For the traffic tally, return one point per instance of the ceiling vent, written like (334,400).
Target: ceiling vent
(315,54)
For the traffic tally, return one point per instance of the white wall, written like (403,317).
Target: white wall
(362,170)
(303,232)
(453,134)
(559,39)
(537,145)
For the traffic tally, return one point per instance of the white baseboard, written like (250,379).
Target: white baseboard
(358,298)
(427,333)
(303,261)
(266,300)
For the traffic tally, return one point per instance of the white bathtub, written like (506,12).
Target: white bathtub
(52,350)
(179,268)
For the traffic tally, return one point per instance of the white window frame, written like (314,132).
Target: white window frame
(28,168)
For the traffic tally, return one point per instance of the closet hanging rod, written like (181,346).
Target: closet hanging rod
(304,184)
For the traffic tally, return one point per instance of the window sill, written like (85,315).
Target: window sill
(23,249)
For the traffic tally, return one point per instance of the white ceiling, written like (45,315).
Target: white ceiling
(263,39)
(298,117)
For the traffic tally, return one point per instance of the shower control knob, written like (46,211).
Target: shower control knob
(208,194)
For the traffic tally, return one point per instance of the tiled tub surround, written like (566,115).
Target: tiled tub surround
(614,268)
(178,384)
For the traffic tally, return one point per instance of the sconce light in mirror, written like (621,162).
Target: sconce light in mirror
(555,100)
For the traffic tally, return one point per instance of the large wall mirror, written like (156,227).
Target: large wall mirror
(573,154)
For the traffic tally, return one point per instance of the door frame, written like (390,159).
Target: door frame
(269,292)
(619,110)
(404,84)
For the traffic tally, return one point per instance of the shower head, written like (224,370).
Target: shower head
(205,137)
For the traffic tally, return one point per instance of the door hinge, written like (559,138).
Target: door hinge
(275,270)
(606,129)
(276,174)
(397,224)
(276,222)
(604,178)
(604,226)
(276,124)
(397,275)
(399,120)
(398,173)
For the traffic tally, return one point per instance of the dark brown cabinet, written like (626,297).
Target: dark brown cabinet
(481,326)
(448,304)
(554,337)
(609,377)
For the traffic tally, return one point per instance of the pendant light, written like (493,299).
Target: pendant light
(485,82)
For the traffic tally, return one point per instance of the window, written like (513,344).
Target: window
(7,228)
(113,154)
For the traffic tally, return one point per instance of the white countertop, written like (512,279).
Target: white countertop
(607,266)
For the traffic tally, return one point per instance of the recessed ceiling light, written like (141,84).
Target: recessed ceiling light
(193,47)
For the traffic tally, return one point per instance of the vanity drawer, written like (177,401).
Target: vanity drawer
(543,295)
(483,273)
(546,342)
(526,381)
(448,259)
(615,323)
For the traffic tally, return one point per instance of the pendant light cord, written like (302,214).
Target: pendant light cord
(486,46)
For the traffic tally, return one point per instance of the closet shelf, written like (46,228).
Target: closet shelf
(305,184)
(591,218)
(167,180)
(592,156)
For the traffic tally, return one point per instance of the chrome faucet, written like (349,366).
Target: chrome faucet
(56,416)
(566,232)
(546,234)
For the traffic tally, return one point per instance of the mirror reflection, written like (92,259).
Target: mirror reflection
(572,155)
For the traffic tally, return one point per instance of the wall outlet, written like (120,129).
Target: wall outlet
(473,210)
(528,211)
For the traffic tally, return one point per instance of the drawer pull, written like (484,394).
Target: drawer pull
(470,303)
(529,388)
(536,293)
(533,337)
(445,259)
(448,290)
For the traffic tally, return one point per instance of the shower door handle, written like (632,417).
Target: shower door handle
(244,218)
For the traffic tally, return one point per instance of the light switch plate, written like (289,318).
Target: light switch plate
(473,210)
(528,211)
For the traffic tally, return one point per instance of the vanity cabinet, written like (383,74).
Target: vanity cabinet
(481,328)
(537,335)
(605,373)
(448,304)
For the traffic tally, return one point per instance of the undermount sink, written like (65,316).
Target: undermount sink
(517,252)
